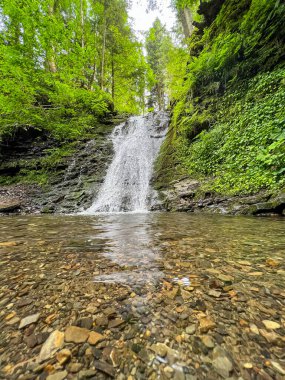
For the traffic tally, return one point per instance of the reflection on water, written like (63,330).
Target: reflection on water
(129,243)
(138,243)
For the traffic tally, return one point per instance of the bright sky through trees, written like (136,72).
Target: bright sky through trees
(143,20)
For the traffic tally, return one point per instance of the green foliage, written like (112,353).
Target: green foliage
(66,64)
(244,151)
(229,117)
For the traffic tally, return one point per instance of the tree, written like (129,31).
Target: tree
(157,44)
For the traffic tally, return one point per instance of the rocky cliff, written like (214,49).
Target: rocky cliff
(39,174)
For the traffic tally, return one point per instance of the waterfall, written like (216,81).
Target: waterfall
(127,183)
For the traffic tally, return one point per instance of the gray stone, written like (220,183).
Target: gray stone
(29,320)
(58,376)
(54,343)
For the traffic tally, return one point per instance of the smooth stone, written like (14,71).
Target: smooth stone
(115,323)
(271,325)
(105,367)
(207,341)
(57,376)
(74,367)
(206,324)
(54,343)
(254,329)
(190,329)
(29,320)
(160,349)
(13,321)
(86,374)
(221,362)
(76,334)
(214,293)
(85,323)
(225,278)
(278,368)
(95,338)
(63,356)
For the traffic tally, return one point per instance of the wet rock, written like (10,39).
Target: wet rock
(58,376)
(214,293)
(277,367)
(190,329)
(208,341)
(160,349)
(63,356)
(105,368)
(54,343)
(115,323)
(76,334)
(10,206)
(221,362)
(74,367)
(86,374)
(95,338)
(271,325)
(115,357)
(86,323)
(29,320)
(225,278)
(206,324)
(31,341)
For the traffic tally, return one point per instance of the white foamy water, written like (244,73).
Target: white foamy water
(127,184)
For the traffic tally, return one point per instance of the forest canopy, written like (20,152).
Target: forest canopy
(64,62)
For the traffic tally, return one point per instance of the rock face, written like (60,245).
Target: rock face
(73,182)
(185,195)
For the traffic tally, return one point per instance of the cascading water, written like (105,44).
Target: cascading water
(127,183)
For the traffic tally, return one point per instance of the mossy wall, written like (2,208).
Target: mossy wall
(228,121)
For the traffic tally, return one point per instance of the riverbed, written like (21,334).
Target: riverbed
(142,296)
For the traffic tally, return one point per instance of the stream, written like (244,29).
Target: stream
(180,296)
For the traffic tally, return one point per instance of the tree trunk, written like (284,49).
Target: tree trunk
(103,55)
(187,22)
(113,79)
(50,54)
(82,23)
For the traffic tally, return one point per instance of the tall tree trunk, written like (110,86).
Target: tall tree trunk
(82,23)
(187,21)
(50,54)
(113,79)
(103,55)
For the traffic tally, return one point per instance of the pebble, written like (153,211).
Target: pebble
(105,367)
(76,334)
(278,368)
(63,356)
(95,338)
(207,341)
(74,367)
(160,349)
(206,324)
(190,329)
(115,323)
(29,320)
(225,278)
(271,325)
(57,376)
(54,343)
(221,362)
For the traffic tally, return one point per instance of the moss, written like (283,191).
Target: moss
(229,119)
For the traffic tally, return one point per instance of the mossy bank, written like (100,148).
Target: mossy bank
(225,149)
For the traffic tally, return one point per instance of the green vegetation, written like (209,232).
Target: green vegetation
(228,120)
(66,64)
